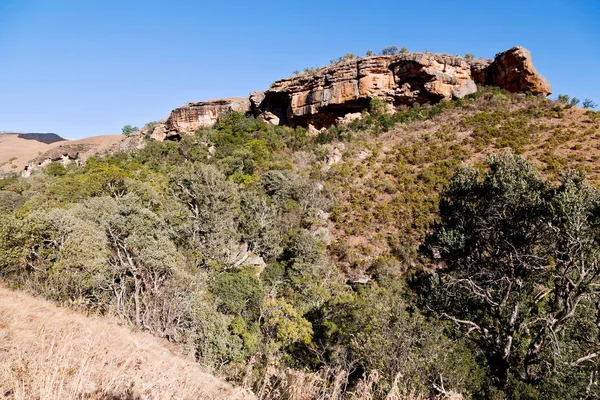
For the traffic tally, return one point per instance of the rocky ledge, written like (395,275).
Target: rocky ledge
(192,116)
(323,97)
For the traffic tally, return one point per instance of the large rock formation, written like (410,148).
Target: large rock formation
(320,98)
(513,70)
(192,116)
(334,93)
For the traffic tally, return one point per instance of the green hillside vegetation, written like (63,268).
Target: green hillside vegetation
(483,270)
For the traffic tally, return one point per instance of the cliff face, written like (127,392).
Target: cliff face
(192,116)
(321,98)
(513,70)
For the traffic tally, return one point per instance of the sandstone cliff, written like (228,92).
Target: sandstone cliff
(513,70)
(192,116)
(320,98)
(323,97)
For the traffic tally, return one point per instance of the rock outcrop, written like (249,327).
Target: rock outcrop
(347,87)
(192,116)
(513,70)
(320,98)
(338,92)
(75,151)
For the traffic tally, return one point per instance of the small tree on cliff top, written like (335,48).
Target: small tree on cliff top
(387,51)
(128,129)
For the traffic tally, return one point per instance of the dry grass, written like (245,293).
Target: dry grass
(18,152)
(51,353)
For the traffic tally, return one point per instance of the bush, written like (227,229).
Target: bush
(386,51)
(588,103)
(55,168)
(239,293)
(519,267)
(563,99)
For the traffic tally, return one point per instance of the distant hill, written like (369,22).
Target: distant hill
(19,149)
(47,138)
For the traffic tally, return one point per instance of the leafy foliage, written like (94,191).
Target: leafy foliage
(281,266)
(521,272)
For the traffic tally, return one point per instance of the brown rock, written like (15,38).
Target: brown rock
(347,87)
(192,116)
(512,70)
(324,97)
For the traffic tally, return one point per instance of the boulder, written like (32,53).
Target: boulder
(513,70)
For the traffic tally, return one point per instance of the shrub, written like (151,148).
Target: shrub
(563,99)
(386,51)
(55,168)
(239,292)
(588,103)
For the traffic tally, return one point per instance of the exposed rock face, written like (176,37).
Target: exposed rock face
(347,87)
(318,99)
(192,116)
(338,93)
(513,70)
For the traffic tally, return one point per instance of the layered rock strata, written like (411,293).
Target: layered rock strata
(193,116)
(320,98)
(331,94)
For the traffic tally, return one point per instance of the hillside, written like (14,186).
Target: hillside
(438,242)
(391,181)
(53,353)
(17,152)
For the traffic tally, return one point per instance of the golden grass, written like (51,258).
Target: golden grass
(19,152)
(51,353)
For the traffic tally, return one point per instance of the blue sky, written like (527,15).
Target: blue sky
(87,67)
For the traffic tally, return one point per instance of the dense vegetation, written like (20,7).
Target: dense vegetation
(246,242)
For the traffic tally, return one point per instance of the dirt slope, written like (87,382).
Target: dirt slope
(48,352)
(16,152)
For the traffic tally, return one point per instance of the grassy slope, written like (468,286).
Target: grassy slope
(48,352)
(16,153)
(389,184)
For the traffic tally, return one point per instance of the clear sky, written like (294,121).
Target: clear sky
(87,67)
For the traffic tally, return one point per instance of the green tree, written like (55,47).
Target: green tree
(521,274)
(128,129)
(208,220)
(386,51)
(258,224)
(563,98)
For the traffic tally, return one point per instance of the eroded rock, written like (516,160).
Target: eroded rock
(328,95)
(331,93)
(513,70)
(339,93)
(193,116)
